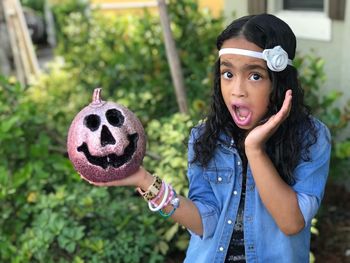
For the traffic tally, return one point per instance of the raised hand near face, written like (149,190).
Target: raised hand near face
(258,136)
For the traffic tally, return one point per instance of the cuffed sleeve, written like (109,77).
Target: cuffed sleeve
(308,206)
(209,220)
(311,176)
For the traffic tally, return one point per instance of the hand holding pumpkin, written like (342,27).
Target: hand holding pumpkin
(106,142)
(141,178)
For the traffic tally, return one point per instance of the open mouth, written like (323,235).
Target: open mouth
(241,115)
(111,159)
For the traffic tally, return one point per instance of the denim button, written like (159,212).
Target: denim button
(238,163)
(221,249)
(235,192)
(219,179)
(229,222)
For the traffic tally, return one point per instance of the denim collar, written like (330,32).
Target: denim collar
(225,140)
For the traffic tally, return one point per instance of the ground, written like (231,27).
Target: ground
(333,242)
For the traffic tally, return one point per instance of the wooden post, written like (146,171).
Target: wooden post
(173,58)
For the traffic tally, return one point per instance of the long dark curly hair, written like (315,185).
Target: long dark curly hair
(290,143)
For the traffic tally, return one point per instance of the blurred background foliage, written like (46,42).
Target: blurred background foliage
(47,213)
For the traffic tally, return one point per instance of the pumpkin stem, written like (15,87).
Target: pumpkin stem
(96,97)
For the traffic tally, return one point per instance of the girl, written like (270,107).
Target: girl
(258,164)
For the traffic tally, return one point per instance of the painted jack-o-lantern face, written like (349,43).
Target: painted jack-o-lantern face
(106,141)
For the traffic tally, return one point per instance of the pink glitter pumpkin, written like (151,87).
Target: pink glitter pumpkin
(106,141)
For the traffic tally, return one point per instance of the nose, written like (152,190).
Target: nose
(238,88)
(106,136)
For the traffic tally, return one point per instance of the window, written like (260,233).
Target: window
(308,18)
(306,5)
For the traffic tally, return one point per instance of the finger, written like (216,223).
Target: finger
(98,183)
(283,113)
(275,120)
(102,184)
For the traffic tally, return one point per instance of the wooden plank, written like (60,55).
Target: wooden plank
(9,13)
(27,41)
(5,64)
(25,59)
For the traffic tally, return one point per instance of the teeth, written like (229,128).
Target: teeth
(242,118)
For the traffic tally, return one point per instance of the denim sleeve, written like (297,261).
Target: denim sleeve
(201,194)
(308,206)
(311,176)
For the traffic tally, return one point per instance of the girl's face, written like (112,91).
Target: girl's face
(245,84)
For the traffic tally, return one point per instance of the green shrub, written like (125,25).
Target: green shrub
(167,157)
(61,10)
(325,106)
(125,55)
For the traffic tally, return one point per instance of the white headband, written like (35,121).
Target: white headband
(276,58)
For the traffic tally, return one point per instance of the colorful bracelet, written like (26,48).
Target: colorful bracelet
(152,190)
(175,202)
(170,197)
(165,215)
(160,193)
(161,205)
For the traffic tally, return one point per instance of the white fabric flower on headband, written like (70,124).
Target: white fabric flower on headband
(276,58)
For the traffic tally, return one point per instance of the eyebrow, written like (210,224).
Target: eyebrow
(245,67)
(226,63)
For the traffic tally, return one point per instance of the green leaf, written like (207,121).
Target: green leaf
(170,233)
(4,176)
(8,124)
(70,247)
(163,247)
(342,149)
(22,175)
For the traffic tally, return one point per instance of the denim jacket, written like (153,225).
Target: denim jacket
(216,191)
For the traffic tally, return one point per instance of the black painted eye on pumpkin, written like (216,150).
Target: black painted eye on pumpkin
(92,121)
(115,117)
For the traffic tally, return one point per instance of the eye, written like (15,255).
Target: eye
(227,75)
(255,76)
(115,117)
(92,121)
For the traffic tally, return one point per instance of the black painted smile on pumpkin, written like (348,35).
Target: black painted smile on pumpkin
(111,159)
